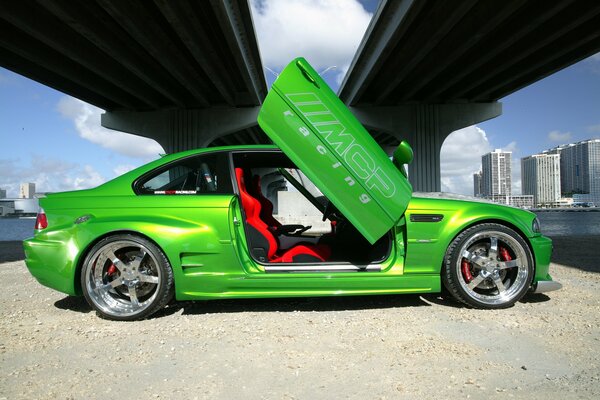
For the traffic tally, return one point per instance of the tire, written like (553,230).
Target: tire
(126,277)
(488,266)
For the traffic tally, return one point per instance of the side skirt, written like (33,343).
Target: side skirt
(314,285)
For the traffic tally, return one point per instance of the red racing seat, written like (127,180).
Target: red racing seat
(266,207)
(263,244)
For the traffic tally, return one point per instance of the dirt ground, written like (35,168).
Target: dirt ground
(385,347)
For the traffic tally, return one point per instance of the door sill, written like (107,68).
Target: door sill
(322,268)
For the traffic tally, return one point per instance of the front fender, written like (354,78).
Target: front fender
(428,238)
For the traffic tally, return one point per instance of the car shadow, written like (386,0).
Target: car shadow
(73,303)
(447,300)
(535,298)
(309,304)
(443,299)
(345,303)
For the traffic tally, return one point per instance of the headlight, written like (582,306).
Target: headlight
(535,226)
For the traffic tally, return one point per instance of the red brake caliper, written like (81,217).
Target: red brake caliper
(504,254)
(465,267)
(111,270)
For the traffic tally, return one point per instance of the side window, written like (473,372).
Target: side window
(203,174)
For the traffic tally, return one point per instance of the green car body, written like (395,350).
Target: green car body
(205,239)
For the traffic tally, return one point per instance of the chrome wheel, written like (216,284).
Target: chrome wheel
(488,266)
(125,277)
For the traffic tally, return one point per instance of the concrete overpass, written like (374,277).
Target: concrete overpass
(185,73)
(426,68)
(189,74)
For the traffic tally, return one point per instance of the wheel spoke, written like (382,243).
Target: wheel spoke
(476,260)
(476,281)
(115,283)
(135,263)
(116,261)
(148,278)
(499,284)
(110,285)
(508,264)
(493,251)
(133,297)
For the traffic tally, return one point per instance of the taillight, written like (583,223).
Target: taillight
(41,222)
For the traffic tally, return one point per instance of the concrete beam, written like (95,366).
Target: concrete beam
(177,130)
(425,127)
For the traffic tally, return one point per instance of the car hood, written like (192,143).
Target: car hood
(312,126)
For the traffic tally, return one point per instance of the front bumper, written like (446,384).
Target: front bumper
(542,250)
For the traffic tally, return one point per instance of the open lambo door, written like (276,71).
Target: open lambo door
(303,116)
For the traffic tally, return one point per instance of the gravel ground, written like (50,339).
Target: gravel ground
(406,347)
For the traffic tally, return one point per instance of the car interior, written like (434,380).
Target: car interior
(261,177)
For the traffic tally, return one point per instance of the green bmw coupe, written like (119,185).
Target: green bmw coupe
(324,212)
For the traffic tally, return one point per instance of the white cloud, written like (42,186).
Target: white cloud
(593,128)
(461,158)
(86,119)
(48,174)
(325,32)
(123,168)
(558,136)
(342,73)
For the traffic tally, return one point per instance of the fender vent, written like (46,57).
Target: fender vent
(426,217)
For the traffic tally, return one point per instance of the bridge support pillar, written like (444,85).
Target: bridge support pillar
(177,130)
(425,127)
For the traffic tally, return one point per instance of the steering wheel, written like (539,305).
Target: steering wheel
(291,230)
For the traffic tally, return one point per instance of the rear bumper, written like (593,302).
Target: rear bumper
(52,263)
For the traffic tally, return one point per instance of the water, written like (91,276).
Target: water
(16,229)
(566,223)
(553,224)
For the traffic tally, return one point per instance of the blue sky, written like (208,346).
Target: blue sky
(56,141)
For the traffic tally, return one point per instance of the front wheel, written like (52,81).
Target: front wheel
(488,266)
(126,277)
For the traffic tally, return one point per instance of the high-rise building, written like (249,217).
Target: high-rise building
(540,177)
(2,194)
(496,173)
(27,190)
(477,184)
(580,168)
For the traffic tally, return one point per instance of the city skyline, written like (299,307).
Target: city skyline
(568,171)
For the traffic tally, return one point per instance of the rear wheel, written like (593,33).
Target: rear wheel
(126,277)
(488,266)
